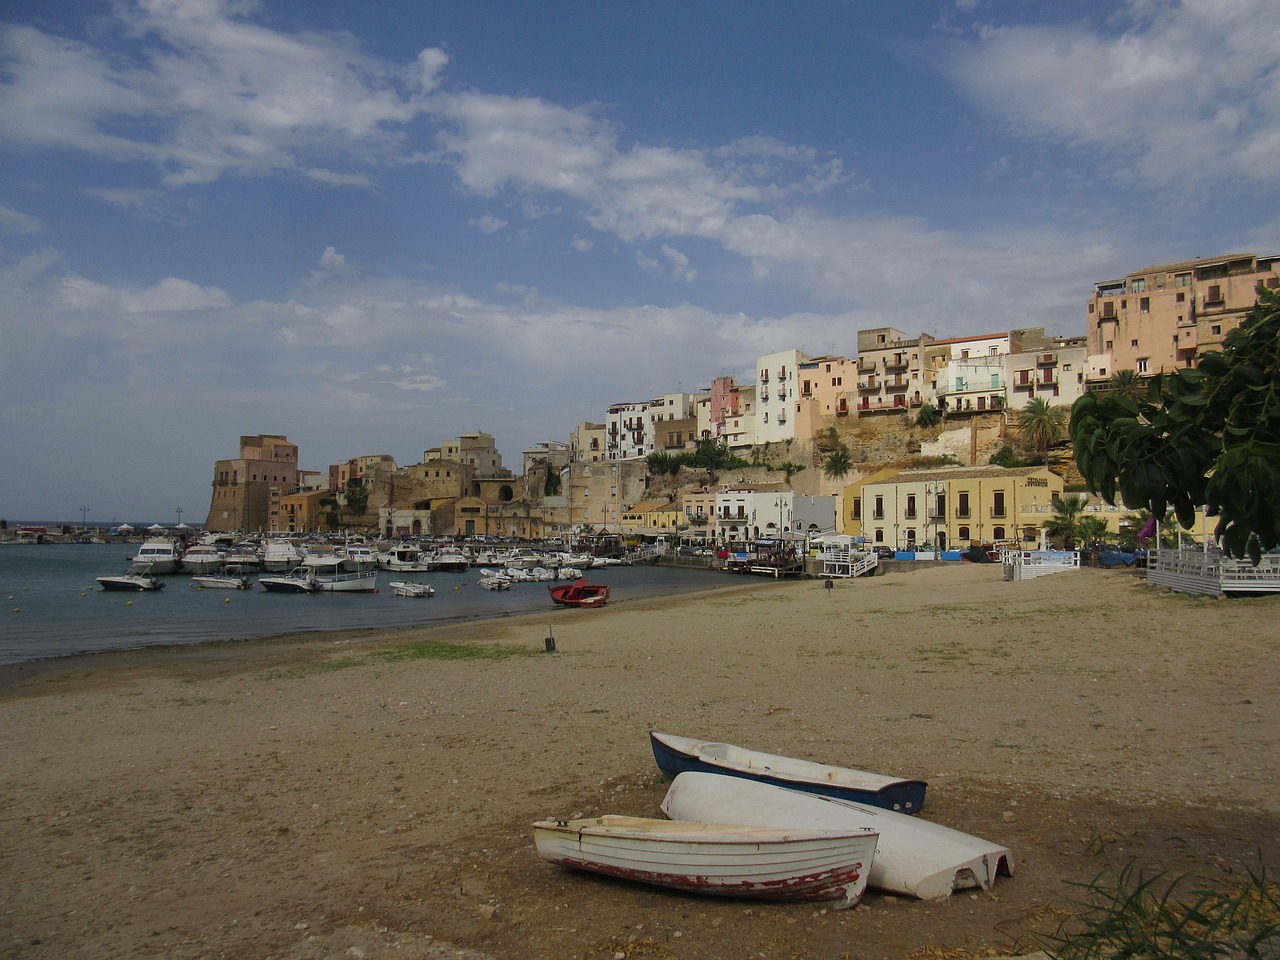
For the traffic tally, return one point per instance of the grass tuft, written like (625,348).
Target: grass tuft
(1131,914)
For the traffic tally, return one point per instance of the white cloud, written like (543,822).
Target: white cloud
(209,92)
(1185,92)
(488,223)
(16,222)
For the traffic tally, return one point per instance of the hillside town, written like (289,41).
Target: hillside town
(914,441)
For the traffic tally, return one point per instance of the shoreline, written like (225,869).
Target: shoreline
(308,797)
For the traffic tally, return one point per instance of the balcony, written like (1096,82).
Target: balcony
(1048,360)
(866,365)
(871,383)
(896,362)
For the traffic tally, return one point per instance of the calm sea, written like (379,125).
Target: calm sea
(54,606)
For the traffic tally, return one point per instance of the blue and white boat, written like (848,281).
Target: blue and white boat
(676,755)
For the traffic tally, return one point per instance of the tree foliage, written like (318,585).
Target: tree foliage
(837,464)
(929,416)
(1066,522)
(1208,436)
(1041,424)
(1006,457)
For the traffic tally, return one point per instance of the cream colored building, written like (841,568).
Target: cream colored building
(831,383)
(892,374)
(587,443)
(476,450)
(1161,318)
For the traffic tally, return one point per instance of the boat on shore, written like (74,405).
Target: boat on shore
(914,857)
(579,593)
(676,755)
(131,580)
(729,860)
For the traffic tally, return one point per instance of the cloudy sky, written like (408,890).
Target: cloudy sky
(375,226)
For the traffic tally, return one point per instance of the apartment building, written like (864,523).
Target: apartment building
(587,443)
(831,383)
(777,395)
(1051,368)
(1161,318)
(892,375)
(753,513)
(952,507)
(627,431)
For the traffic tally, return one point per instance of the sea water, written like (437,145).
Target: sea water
(54,606)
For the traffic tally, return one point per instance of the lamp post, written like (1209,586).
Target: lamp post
(84,512)
(179,516)
(937,491)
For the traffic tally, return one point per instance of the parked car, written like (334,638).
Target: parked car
(883,552)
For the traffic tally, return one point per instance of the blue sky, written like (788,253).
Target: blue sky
(375,226)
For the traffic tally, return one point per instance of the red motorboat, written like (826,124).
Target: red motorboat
(580,594)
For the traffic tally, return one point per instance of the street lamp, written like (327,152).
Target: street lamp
(84,512)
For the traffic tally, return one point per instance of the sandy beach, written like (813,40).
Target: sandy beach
(370,794)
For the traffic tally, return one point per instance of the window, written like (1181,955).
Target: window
(1139,285)
(857,508)
(1133,343)
(1142,365)
(1181,297)
(997,504)
(911,506)
(962,533)
(997,533)
(962,508)
(1217,329)
(879,514)
(1144,305)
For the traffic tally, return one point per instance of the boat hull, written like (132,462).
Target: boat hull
(580,594)
(914,857)
(347,583)
(130,583)
(404,588)
(221,583)
(676,755)
(717,859)
(287,584)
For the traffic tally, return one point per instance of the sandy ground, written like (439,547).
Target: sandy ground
(318,797)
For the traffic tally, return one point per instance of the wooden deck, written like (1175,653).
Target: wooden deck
(1211,573)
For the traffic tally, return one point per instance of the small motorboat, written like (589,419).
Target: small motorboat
(131,581)
(580,594)
(682,754)
(221,581)
(914,857)
(494,581)
(298,580)
(407,588)
(729,860)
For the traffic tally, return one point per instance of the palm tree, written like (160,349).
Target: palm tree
(837,464)
(1127,384)
(1068,520)
(1041,425)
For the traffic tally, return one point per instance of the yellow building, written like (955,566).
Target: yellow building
(953,507)
(651,517)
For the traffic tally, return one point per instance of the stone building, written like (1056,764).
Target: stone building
(243,488)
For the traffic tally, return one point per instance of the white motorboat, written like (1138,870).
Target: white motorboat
(724,859)
(451,558)
(359,557)
(524,559)
(494,581)
(405,558)
(407,588)
(246,555)
(157,555)
(226,580)
(914,857)
(280,555)
(202,558)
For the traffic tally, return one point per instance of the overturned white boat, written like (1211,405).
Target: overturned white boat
(913,856)
(724,859)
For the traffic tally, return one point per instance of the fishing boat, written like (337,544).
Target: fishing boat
(677,755)
(131,580)
(722,859)
(580,594)
(407,588)
(914,857)
(297,580)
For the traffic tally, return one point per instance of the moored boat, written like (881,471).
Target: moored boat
(157,555)
(407,588)
(280,555)
(405,558)
(298,580)
(451,558)
(580,594)
(721,859)
(228,579)
(914,857)
(131,581)
(494,581)
(360,582)
(675,755)
(202,558)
